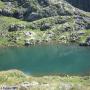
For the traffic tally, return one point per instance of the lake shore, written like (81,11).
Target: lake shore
(40,43)
(17,80)
(20,81)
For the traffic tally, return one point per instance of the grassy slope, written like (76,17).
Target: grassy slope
(5,22)
(14,77)
(56,29)
(2,5)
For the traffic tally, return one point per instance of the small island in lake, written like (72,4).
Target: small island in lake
(40,44)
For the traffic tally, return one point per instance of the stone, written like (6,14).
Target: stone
(45,26)
(25,84)
(65,86)
(34,83)
(27,33)
(27,42)
(5,87)
(0,11)
(6,12)
(33,16)
(16,27)
(44,2)
(73,37)
(18,14)
(88,41)
(81,32)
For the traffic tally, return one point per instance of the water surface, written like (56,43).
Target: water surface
(46,59)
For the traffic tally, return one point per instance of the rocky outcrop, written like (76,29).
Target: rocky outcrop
(27,42)
(6,12)
(45,26)
(34,10)
(16,27)
(60,7)
(86,43)
(32,16)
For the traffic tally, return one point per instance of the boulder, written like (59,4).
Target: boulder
(88,41)
(74,37)
(28,42)
(44,2)
(19,13)
(0,11)
(16,27)
(33,16)
(27,34)
(45,26)
(6,12)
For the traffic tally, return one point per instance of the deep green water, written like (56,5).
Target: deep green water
(46,59)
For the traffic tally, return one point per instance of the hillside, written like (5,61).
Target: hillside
(26,22)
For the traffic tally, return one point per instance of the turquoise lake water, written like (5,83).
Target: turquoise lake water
(46,59)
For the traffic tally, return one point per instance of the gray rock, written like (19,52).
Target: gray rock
(28,42)
(16,27)
(44,2)
(27,34)
(6,12)
(19,13)
(0,11)
(88,41)
(45,26)
(74,37)
(33,16)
